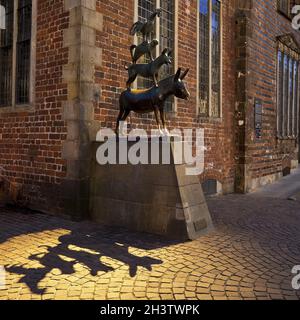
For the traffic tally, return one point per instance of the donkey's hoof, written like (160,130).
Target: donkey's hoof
(166,132)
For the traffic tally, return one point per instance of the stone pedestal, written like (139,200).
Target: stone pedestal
(154,198)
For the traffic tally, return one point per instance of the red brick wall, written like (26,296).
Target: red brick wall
(268,155)
(31,141)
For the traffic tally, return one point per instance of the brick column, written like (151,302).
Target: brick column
(78,111)
(243,99)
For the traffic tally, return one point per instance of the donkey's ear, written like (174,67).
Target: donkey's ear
(177,75)
(184,74)
(165,51)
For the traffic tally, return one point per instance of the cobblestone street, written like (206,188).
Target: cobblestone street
(249,255)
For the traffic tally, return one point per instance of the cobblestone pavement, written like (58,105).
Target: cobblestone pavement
(249,255)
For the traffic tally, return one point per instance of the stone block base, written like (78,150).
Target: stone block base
(154,198)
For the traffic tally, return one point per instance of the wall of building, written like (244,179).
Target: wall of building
(261,161)
(31,137)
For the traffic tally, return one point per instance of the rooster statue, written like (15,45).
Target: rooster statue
(146,28)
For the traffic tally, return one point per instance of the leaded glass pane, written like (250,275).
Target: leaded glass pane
(145,9)
(291,98)
(294,105)
(23,51)
(280,93)
(167,25)
(6,49)
(203,57)
(285,95)
(284,6)
(216,61)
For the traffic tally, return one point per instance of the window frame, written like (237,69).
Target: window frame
(281,11)
(209,115)
(291,4)
(16,107)
(284,107)
(157,35)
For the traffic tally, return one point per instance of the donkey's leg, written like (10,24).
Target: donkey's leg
(123,118)
(118,120)
(157,118)
(163,120)
(162,116)
(125,115)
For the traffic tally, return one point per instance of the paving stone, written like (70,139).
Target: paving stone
(248,256)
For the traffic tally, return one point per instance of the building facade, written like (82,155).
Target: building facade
(62,71)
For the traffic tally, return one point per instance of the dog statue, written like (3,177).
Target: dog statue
(145,47)
(148,70)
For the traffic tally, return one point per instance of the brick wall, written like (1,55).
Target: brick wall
(31,139)
(261,161)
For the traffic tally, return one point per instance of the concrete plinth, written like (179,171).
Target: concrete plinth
(154,198)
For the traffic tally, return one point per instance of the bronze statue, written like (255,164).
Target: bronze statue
(153,99)
(145,28)
(146,47)
(148,70)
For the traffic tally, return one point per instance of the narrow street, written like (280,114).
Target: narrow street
(249,255)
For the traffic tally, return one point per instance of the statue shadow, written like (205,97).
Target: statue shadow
(87,250)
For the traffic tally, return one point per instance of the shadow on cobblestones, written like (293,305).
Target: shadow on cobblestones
(86,250)
(249,255)
(78,247)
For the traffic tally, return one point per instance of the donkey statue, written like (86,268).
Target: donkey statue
(153,99)
(148,70)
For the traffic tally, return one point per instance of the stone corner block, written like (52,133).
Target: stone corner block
(80,111)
